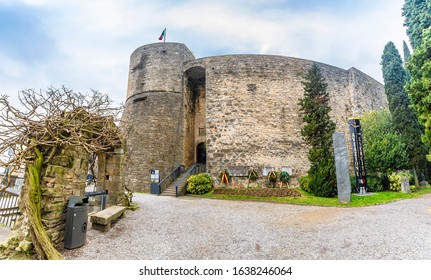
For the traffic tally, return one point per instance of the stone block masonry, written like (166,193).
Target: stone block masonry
(246,106)
(252,113)
(153,115)
(64,177)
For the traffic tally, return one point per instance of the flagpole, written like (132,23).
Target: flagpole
(164,38)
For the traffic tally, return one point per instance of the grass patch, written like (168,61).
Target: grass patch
(308,199)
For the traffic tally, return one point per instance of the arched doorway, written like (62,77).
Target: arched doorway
(201,153)
(195,115)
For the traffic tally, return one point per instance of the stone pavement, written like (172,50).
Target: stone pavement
(190,228)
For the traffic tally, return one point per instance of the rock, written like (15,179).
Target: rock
(25,246)
(423,183)
(342,167)
(405,185)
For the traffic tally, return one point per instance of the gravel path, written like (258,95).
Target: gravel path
(195,228)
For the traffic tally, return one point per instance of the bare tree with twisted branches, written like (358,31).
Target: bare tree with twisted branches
(45,122)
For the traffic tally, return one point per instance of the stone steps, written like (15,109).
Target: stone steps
(171,190)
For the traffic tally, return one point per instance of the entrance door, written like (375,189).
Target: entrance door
(201,154)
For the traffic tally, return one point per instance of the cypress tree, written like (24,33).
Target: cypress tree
(417,15)
(406,52)
(407,55)
(317,133)
(404,118)
(419,87)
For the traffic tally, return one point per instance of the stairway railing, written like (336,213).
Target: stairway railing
(194,169)
(174,174)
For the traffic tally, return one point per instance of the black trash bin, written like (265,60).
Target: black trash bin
(76,222)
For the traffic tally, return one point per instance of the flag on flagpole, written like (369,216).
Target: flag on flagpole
(163,36)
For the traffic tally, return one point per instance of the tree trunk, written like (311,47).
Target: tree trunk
(32,208)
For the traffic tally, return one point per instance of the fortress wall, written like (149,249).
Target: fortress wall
(154,137)
(153,115)
(253,116)
(367,92)
(157,67)
(248,105)
(252,113)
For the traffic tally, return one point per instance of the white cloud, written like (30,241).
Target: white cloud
(94,39)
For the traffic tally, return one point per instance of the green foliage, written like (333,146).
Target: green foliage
(199,184)
(375,183)
(284,177)
(417,15)
(419,88)
(252,175)
(395,180)
(406,53)
(272,176)
(384,150)
(403,117)
(35,193)
(317,133)
(304,183)
(321,183)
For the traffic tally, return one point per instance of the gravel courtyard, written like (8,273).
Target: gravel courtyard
(194,228)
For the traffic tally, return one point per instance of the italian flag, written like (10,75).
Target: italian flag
(163,35)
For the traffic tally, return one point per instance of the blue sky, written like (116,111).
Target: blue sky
(86,44)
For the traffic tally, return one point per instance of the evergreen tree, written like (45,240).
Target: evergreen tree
(317,133)
(417,15)
(406,52)
(405,120)
(419,87)
(407,55)
(384,150)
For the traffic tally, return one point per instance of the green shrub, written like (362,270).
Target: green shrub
(353,183)
(304,183)
(395,180)
(320,186)
(375,183)
(199,184)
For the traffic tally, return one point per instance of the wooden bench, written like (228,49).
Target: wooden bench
(104,219)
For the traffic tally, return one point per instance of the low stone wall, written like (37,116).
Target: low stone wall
(64,177)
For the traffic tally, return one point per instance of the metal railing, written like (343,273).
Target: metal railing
(9,211)
(173,175)
(101,193)
(194,169)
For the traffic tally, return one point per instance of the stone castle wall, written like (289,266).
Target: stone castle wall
(153,116)
(252,117)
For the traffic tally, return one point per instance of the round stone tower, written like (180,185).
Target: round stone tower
(153,115)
